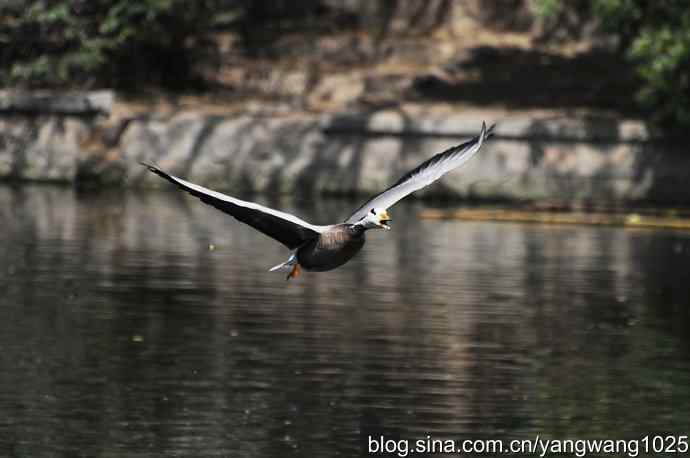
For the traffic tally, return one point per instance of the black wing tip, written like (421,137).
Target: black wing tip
(488,132)
(485,133)
(155,169)
(151,167)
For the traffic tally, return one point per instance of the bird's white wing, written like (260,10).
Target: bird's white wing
(423,175)
(288,229)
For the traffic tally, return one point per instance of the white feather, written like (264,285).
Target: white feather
(425,174)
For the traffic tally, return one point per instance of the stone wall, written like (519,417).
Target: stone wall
(42,135)
(562,159)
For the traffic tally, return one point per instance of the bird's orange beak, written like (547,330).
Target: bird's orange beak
(384,219)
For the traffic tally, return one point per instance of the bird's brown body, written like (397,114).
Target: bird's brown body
(332,248)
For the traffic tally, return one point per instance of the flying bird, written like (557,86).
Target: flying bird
(321,248)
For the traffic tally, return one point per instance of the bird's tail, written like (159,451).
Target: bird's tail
(291,266)
(286,266)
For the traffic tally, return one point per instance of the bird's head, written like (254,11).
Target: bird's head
(377,218)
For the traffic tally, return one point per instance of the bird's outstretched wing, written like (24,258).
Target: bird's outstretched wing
(423,175)
(284,227)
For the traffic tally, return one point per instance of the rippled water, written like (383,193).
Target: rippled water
(124,333)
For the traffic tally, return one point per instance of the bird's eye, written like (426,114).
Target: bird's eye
(373,212)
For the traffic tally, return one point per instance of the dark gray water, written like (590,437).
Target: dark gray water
(122,334)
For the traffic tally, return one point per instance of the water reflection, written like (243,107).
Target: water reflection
(123,334)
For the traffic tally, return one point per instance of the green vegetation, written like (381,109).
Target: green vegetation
(170,43)
(127,44)
(111,42)
(655,36)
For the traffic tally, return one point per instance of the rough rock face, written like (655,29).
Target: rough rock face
(558,159)
(239,153)
(47,102)
(40,148)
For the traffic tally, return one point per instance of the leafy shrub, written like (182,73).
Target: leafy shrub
(112,42)
(655,36)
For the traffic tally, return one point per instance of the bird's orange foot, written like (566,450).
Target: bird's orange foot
(295,272)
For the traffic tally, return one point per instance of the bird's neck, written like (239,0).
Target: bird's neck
(356,229)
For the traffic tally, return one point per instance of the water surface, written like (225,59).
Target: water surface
(145,324)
